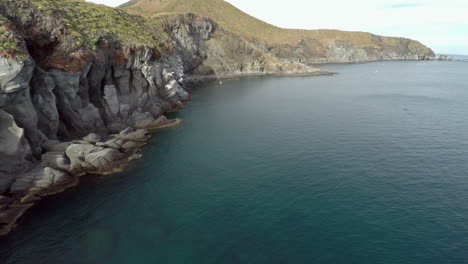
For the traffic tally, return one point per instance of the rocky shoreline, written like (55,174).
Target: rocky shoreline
(79,94)
(64,163)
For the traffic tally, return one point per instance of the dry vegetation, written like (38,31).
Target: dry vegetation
(247,26)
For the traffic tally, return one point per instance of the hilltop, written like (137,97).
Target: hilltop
(312,46)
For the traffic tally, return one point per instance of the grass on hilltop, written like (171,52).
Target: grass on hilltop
(86,23)
(250,28)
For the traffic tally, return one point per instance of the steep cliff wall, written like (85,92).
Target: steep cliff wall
(363,47)
(220,53)
(79,83)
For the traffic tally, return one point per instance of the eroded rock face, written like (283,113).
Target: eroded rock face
(334,50)
(210,51)
(57,125)
(38,106)
(14,75)
(15,151)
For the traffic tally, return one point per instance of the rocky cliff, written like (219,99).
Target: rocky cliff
(80,83)
(291,45)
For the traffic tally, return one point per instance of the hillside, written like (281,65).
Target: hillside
(294,45)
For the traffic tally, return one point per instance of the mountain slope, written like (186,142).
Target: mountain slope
(312,46)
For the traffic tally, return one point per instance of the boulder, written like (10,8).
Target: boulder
(56,160)
(87,157)
(130,145)
(103,158)
(76,154)
(114,143)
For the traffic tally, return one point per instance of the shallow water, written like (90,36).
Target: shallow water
(368,166)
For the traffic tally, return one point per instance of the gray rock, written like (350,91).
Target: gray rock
(87,157)
(142,120)
(115,127)
(103,158)
(39,177)
(49,177)
(114,143)
(93,138)
(15,75)
(131,145)
(44,101)
(76,153)
(55,146)
(15,149)
(136,135)
(56,160)
(111,99)
(78,141)
(127,131)
(14,86)
(78,115)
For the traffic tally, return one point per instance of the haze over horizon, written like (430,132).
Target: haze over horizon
(441,26)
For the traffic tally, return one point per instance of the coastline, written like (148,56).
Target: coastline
(196,79)
(63,120)
(132,140)
(116,152)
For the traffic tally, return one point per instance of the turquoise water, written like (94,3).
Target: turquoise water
(368,166)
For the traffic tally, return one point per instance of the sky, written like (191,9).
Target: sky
(440,24)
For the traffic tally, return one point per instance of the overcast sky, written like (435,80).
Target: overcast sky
(440,24)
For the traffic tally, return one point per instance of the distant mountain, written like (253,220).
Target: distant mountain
(309,46)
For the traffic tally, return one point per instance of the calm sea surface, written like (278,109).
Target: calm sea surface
(368,166)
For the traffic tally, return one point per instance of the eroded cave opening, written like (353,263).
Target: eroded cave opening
(41,48)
